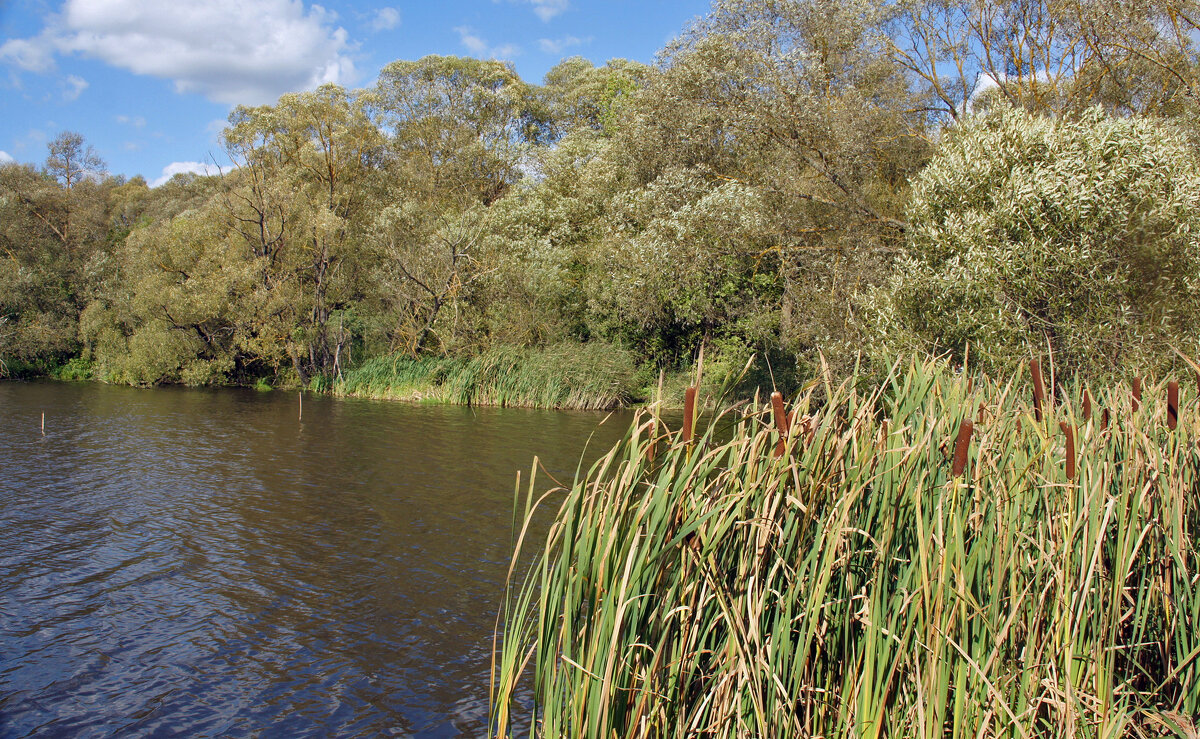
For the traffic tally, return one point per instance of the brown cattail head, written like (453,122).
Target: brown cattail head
(1039,388)
(781,424)
(1104,419)
(1137,394)
(689,414)
(1172,404)
(961,446)
(1070,434)
(1087,405)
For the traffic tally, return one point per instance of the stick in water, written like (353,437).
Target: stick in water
(43,423)
(301,396)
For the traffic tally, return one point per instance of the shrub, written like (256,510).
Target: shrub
(1078,233)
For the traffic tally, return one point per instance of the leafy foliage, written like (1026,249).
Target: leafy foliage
(749,193)
(1081,234)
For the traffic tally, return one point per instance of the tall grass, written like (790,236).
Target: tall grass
(855,587)
(584,377)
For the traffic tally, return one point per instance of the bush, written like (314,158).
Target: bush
(1078,233)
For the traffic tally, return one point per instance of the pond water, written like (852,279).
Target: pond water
(205,563)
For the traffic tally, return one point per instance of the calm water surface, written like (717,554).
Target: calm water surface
(201,563)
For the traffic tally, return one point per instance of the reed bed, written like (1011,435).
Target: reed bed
(853,585)
(583,377)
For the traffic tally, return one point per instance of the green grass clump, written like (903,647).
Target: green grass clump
(589,376)
(75,370)
(855,587)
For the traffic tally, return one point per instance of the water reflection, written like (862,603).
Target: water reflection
(202,562)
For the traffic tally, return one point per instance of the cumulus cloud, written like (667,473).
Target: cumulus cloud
(547,9)
(479,47)
(136,121)
(74,87)
(558,46)
(230,51)
(175,168)
(6,158)
(386,19)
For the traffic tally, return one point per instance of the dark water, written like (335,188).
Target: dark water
(200,563)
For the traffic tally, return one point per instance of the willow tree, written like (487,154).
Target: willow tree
(1078,234)
(298,198)
(459,131)
(798,107)
(54,251)
(1129,56)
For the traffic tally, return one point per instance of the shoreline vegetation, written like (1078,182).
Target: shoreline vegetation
(810,183)
(932,553)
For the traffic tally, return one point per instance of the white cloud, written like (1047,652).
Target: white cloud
(506,51)
(481,48)
(31,55)
(6,158)
(474,44)
(136,121)
(386,19)
(557,46)
(175,168)
(74,87)
(547,9)
(230,51)
(985,82)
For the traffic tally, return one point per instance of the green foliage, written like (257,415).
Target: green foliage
(855,586)
(76,369)
(1081,234)
(749,193)
(592,376)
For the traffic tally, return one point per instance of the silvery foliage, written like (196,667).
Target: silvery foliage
(1080,234)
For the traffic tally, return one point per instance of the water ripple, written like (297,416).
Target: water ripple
(200,563)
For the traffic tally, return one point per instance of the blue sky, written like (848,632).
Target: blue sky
(150,83)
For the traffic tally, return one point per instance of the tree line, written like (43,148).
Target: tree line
(800,181)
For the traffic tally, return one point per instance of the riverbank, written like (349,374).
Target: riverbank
(568,376)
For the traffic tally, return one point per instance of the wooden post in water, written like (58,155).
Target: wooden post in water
(781,422)
(1039,388)
(1172,404)
(301,417)
(1070,433)
(961,446)
(1137,394)
(43,423)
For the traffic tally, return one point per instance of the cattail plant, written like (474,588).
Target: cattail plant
(869,581)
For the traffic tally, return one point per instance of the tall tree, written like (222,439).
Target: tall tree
(298,197)
(71,159)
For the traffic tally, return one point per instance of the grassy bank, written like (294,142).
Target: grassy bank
(858,585)
(576,376)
